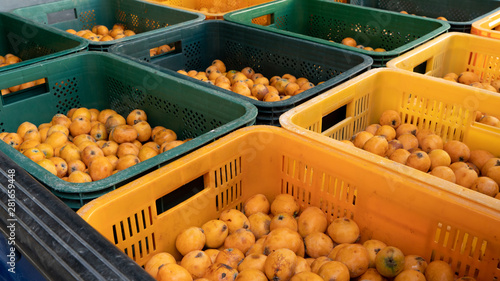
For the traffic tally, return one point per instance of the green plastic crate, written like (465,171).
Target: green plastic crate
(141,17)
(322,20)
(459,13)
(34,42)
(238,46)
(102,80)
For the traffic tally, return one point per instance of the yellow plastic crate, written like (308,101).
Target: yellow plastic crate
(453,52)
(484,26)
(215,9)
(395,206)
(428,102)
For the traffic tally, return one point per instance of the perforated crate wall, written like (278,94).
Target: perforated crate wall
(459,13)
(328,22)
(138,16)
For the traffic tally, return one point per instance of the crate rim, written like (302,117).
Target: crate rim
(367,62)
(76,188)
(476,25)
(286,123)
(456,24)
(82,46)
(470,22)
(107,44)
(441,38)
(404,48)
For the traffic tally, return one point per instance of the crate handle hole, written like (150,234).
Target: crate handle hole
(179,195)
(165,50)
(23,91)
(264,20)
(333,118)
(421,68)
(61,16)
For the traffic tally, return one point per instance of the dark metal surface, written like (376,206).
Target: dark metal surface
(60,244)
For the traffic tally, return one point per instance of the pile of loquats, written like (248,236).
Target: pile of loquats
(9,59)
(423,150)
(160,50)
(219,7)
(348,41)
(439,18)
(472,79)
(101,33)
(279,241)
(487,119)
(250,84)
(87,145)
(211,10)
(215,10)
